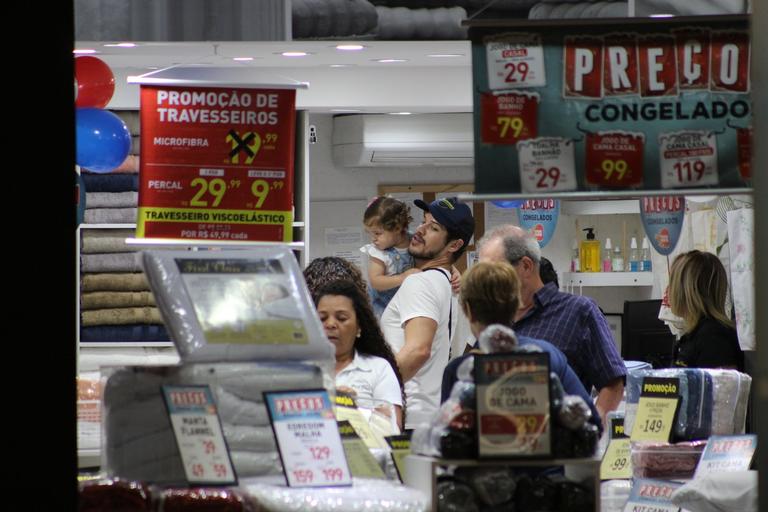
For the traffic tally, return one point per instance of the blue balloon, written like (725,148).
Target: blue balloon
(508,204)
(103,140)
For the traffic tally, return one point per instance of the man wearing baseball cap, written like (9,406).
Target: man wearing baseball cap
(420,318)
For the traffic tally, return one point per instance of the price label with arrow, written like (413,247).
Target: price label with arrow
(216,164)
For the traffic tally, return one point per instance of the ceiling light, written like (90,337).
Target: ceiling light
(82,51)
(445,55)
(294,54)
(242,59)
(349,47)
(122,45)
(399,113)
(662,16)
(345,110)
(341,65)
(386,61)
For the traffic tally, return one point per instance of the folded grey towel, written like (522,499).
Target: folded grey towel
(128,199)
(110,215)
(111,262)
(114,281)
(106,240)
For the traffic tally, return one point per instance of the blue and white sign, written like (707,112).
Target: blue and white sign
(539,216)
(662,218)
(652,495)
(727,453)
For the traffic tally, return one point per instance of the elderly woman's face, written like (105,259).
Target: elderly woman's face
(337,313)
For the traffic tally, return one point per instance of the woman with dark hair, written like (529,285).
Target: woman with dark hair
(698,285)
(328,269)
(365,365)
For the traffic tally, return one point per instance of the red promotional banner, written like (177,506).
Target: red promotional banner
(658,76)
(509,117)
(216,163)
(692,47)
(583,61)
(620,66)
(730,61)
(614,159)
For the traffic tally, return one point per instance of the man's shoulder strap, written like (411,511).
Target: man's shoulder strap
(450,305)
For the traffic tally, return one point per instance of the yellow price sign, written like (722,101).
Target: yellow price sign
(655,419)
(656,410)
(617,462)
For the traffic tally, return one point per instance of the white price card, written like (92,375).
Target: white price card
(546,164)
(199,437)
(649,495)
(308,438)
(688,159)
(727,453)
(515,60)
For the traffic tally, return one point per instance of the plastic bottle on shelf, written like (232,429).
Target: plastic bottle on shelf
(634,256)
(617,261)
(575,264)
(589,252)
(645,258)
(608,256)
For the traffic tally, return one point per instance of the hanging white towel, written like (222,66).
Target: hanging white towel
(741,233)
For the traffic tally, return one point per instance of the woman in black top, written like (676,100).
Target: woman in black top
(698,286)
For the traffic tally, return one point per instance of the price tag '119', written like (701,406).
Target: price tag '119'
(688,159)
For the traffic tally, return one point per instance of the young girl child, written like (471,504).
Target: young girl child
(388,263)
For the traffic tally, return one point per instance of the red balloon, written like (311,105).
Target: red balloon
(95,82)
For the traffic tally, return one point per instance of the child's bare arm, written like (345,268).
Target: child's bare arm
(455,279)
(380,281)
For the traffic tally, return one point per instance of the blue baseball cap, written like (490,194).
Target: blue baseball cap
(452,214)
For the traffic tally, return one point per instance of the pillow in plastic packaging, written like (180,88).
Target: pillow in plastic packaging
(719,492)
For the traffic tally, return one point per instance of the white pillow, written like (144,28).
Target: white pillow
(721,492)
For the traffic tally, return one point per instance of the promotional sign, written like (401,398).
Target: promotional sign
(539,216)
(727,453)
(198,434)
(547,165)
(345,409)
(508,117)
(657,409)
(649,495)
(644,106)
(307,438)
(361,462)
(216,163)
(400,447)
(617,461)
(662,218)
(513,404)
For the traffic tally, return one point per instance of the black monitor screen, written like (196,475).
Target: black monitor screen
(643,336)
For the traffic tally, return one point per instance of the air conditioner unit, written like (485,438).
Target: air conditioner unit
(372,140)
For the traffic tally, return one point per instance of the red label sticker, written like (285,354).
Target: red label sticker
(744,141)
(614,159)
(509,117)
(583,61)
(620,66)
(658,71)
(730,61)
(692,47)
(216,163)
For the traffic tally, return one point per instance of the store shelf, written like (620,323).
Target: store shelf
(172,242)
(606,207)
(582,279)
(123,344)
(88,458)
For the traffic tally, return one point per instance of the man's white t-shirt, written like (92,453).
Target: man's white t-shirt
(424,294)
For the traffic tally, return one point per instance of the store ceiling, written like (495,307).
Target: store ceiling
(427,76)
